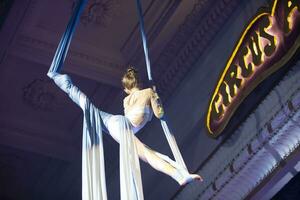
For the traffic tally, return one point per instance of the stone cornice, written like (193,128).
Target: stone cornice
(96,68)
(132,48)
(241,162)
(264,142)
(28,41)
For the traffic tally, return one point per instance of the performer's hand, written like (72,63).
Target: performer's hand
(154,88)
(63,81)
(51,74)
(161,113)
(159,104)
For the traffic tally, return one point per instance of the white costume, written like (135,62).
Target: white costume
(122,130)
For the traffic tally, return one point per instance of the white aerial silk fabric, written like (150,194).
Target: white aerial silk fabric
(174,148)
(170,137)
(93,169)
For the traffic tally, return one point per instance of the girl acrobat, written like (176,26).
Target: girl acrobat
(139,106)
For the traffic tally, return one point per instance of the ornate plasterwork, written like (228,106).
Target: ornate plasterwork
(39,49)
(190,41)
(153,30)
(31,42)
(39,96)
(98,12)
(265,139)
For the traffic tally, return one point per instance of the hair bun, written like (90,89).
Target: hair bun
(131,69)
(130,78)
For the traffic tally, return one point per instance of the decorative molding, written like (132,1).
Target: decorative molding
(259,151)
(37,94)
(92,8)
(136,56)
(260,158)
(29,16)
(100,68)
(98,12)
(30,42)
(188,44)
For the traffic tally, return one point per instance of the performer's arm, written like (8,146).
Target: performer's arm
(156,104)
(64,82)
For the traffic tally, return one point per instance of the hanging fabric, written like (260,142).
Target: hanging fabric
(170,137)
(93,188)
(93,167)
(63,47)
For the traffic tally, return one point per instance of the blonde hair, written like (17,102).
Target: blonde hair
(130,78)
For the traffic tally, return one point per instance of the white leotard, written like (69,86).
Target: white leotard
(135,113)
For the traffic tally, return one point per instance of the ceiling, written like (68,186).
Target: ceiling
(40,128)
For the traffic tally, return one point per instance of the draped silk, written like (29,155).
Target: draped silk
(170,137)
(93,169)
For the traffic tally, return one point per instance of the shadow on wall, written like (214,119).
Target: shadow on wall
(5,6)
(290,191)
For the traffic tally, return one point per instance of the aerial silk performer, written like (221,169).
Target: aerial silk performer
(139,107)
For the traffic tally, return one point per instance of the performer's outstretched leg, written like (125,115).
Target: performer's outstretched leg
(157,160)
(164,164)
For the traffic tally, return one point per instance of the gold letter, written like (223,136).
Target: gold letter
(246,70)
(255,49)
(270,48)
(232,79)
(217,108)
(288,7)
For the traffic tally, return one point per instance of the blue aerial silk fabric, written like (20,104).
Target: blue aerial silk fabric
(63,47)
(93,170)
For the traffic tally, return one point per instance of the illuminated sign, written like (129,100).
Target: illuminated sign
(267,43)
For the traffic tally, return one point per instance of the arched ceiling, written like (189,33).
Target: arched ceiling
(40,128)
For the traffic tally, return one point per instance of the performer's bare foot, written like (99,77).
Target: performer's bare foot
(181,175)
(189,178)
